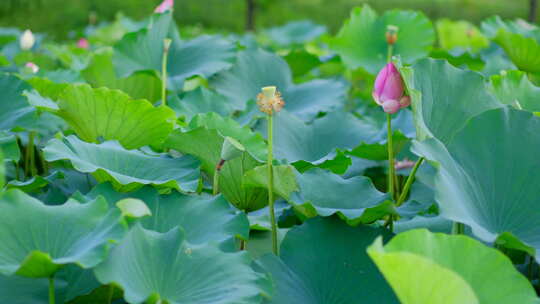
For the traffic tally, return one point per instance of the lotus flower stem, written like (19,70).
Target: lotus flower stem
(391,169)
(29,162)
(409,182)
(166,46)
(215,186)
(275,249)
(111,294)
(458,228)
(51,290)
(390,50)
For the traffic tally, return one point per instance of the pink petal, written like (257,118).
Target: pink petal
(164,6)
(379,83)
(393,86)
(391,106)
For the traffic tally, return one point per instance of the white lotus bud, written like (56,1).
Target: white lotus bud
(27,40)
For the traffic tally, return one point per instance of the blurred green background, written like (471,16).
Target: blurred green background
(59,17)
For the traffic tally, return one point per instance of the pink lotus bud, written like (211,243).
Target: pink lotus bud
(405,101)
(391,106)
(388,85)
(83,43)
(32,67)
(166,5)
(388,91)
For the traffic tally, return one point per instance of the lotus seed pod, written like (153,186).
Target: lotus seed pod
(27,40)
(166,5)
(269,100)
(231,149)
(391,34)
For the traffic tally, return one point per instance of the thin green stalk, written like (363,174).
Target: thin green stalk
(458,228)
(111,294)
(409,182)
(29,155)
(33,169)
(215,187)
(391,169)
(16,164)
(51,290)
(390,50)
(275,249)
(217,171)
(166,45)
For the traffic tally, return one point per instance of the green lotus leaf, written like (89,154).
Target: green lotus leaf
(256,68)
(344,272)
(361,41)
(203,218)
(126,169)
(480,182)
(301,62)
(16,111)
(20,290)
(432,223)
(152,267)
(295,140)
(2,170)
(424,268)
(296,32)
(460,34)
(514,88)
(38,239)
(492,25)
(523,51)
(444,98)
(284,179)
(462,60)
(113,115)
(324,193)
(100,73)
(143,51)
(205,140)
(199,101)
(133,208)
(9,146)
(35,183)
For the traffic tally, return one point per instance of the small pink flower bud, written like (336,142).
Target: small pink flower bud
(391,106)
(166,5)
(405,101)
(32,67)
(388,85)
(388,91)
(83,43)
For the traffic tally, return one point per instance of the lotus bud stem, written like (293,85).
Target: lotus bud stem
(166,46)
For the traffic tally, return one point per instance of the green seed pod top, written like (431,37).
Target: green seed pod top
(231,149)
